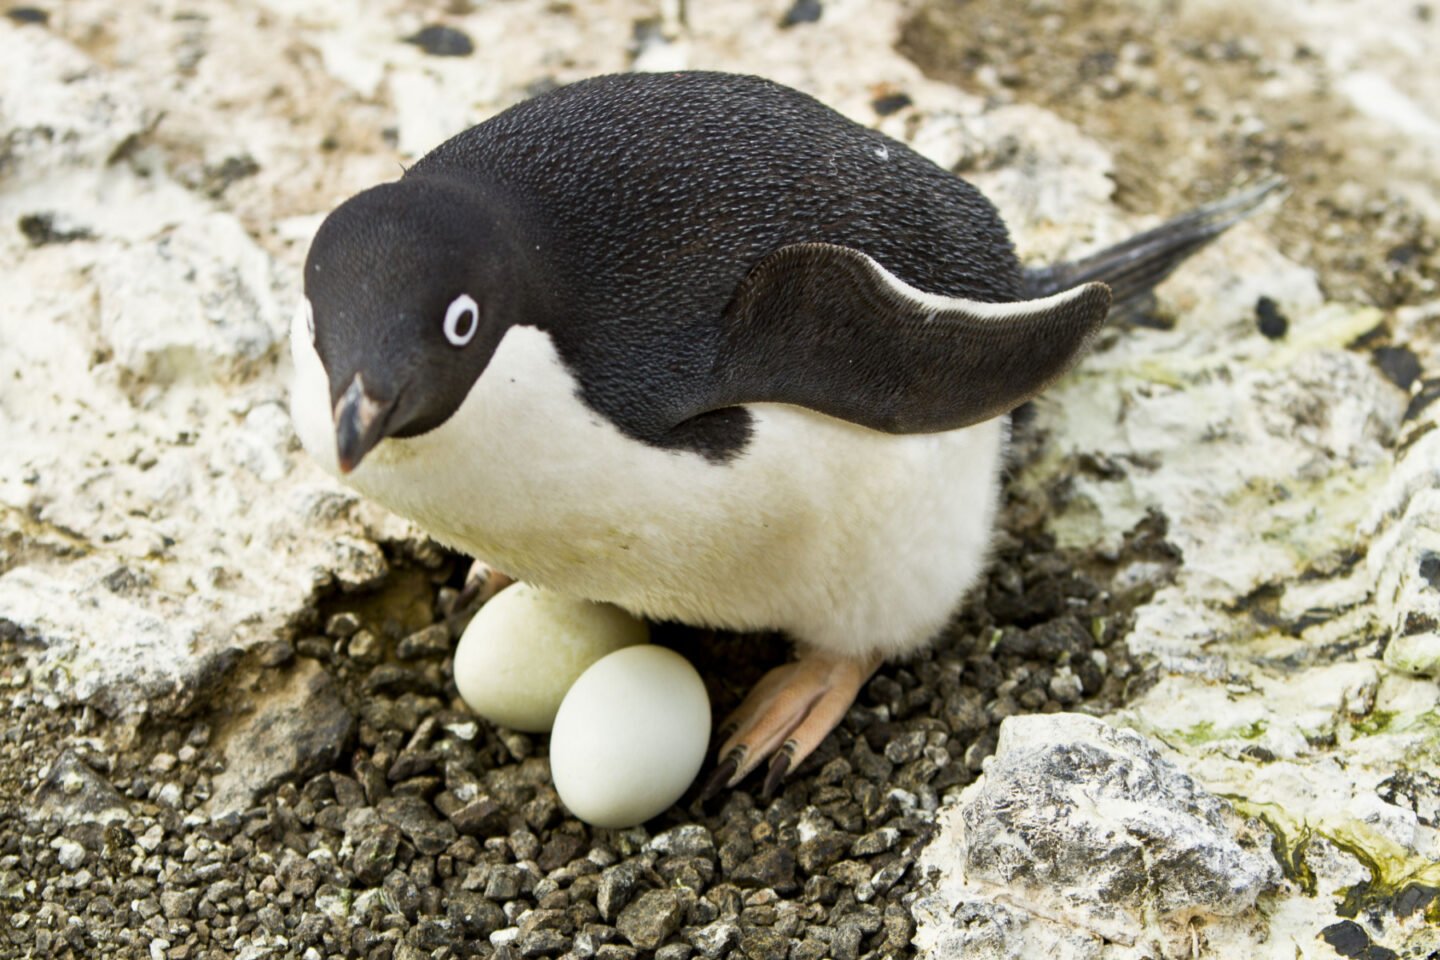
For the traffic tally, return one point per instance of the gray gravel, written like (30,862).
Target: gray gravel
(385,821)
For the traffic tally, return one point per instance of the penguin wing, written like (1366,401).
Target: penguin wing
(828,328)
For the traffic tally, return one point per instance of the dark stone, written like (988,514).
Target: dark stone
(480,817)
(433,641)
(764,943)
(1347,937)
(298,875)
(543,943)
(559,850)
(1047,641)
(614,951)
(315,648)
(1430,568)
(416,819)
(689,840)
(1416,623)
(878,842)
(28,15)
(845,940)
(276,653)
(687,873)
(1399,364)
(899,929)
(810,949)
(230,170)
(411,763)
(392,678)
(772,867)
(617,886)
(342,626)
(802,11)
(504,882)
(890,103)
(715,939)
(475,915)
(401,894)
(545,920)
(905,747)
(441,41)
(1414,897)
(869,764)
(374,855)
(1272,323)
(40,229)
(826,847)
(652,918)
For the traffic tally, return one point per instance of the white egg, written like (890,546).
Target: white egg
(525,648)
(630,736)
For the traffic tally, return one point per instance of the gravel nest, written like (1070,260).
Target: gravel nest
(420,831)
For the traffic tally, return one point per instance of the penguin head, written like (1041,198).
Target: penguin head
(409,287)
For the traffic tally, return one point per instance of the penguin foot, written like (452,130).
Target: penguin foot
(790,711)
(481,583)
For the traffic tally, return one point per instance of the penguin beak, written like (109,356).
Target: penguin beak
(359,424)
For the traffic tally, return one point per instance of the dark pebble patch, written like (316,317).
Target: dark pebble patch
(440,41)
(40,229)
(28,15)
(1273,324)
(802,11)
(434,833)
(1347,937)
(890,103)
(1399,364)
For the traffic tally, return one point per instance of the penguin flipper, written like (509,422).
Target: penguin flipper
(828,328)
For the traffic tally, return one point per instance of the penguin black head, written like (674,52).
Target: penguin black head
(409,287)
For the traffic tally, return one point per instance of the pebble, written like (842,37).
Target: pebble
(433,640)
(651,918)
(442,41)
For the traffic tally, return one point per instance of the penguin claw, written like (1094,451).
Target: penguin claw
(786,716)
(779,766)
(721,778)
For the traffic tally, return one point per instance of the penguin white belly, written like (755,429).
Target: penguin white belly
(849,539)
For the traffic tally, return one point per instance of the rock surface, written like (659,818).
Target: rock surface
(1077,828)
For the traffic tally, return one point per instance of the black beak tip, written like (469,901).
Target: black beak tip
(359,425)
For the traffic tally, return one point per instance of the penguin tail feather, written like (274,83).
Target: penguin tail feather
(1136,266)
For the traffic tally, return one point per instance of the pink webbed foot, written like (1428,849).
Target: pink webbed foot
(787,715)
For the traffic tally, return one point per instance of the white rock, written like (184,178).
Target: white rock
(1089,827)
(196,302)
(68,853)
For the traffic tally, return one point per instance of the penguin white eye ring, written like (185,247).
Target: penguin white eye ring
(462,319)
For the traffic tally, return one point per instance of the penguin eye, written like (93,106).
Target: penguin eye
(462,319)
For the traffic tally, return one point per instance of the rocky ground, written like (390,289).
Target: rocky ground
(230,729)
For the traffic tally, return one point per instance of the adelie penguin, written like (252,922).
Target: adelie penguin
(699,346)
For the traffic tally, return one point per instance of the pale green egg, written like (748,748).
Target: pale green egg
(630,736)
(525,648)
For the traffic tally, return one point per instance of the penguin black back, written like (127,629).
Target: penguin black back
(652,196)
